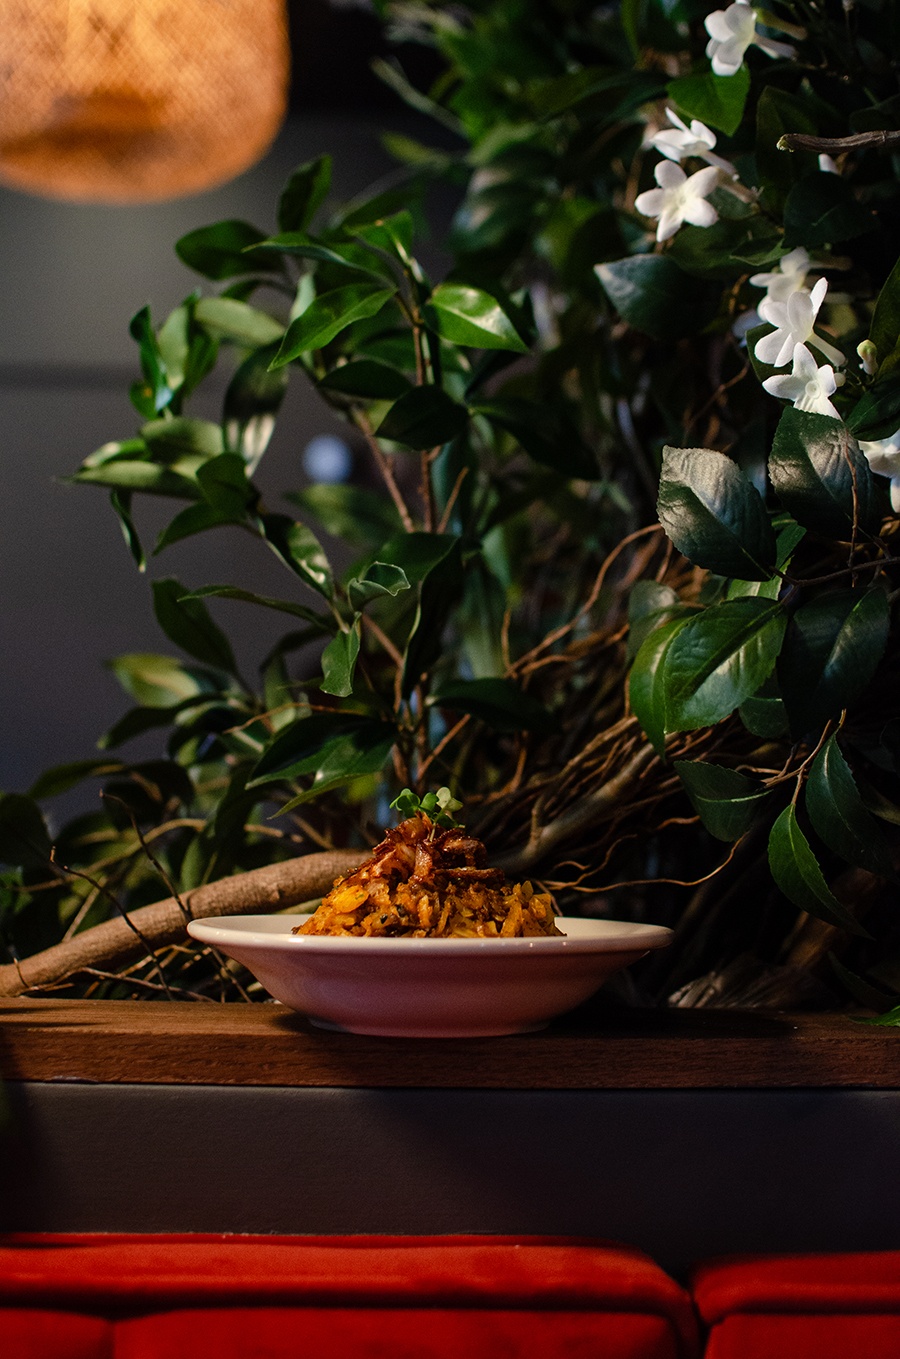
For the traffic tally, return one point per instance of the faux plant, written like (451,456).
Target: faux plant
(628,582)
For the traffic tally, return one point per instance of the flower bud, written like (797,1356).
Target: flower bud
(868,356)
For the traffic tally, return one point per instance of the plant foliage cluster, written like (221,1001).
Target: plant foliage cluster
(628,585)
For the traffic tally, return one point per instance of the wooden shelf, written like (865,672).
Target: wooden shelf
(594,1049)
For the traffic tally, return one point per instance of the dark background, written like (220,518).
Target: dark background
(72,276)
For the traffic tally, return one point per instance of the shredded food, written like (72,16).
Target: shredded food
(425,883)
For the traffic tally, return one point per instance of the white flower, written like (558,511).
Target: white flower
(794,322)
(680,141)
(731,31)
(827,165)
(883,456)
(679,199)
(789,276)
(807,386)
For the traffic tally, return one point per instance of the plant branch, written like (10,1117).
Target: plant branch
(859,141)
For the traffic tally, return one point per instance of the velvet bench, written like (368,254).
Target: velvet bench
(94,1297)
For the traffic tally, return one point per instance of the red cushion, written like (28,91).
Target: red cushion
(30,1333)
(282,1297)
(802,1306)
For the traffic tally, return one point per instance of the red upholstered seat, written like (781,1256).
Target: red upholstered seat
(100,1297)
(802,1306)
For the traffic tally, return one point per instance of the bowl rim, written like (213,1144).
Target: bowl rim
(607,936)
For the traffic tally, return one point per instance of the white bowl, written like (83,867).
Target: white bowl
(430,988)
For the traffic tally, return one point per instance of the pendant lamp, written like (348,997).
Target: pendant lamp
(129,101)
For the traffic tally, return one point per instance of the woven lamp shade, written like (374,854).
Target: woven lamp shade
(128,101)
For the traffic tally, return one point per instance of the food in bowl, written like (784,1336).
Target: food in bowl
(428,882)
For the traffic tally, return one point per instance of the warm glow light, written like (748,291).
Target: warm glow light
(124,101)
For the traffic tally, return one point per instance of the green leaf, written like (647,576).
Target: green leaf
(223,250)
(156,392)
(433,562)
(304,194)
(297,750)
(300,550)
(137,721)
(304,247)
(719,658)
(378,580)
(53,782)
(469,316)
(121,503)
(328,315)
(193,519)
(821,210)
(228,319)
(423,417)
(713,514)
(169,440)
(764,715)
(223,482)
(361,516)
(252,401)
(797,873)
(647,683)
(366,378)
(650,604)
(717,101)
(725,800)
(393,234)
(839,816)
(344,760)
(189,625)
(653,295)
(831,652)
(161,681)
(323,622)
(24,838)
(884,331)
(339,661)
(778,112)
(498,702)
(125,475)
(546,434)
(821,477)
(877,413)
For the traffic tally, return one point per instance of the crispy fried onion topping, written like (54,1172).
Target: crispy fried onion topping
(425,883)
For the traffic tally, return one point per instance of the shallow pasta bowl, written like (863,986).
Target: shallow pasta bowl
(430,988)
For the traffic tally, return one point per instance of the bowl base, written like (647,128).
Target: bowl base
(418,1031)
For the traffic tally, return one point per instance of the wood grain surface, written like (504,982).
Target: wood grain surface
(592,1049)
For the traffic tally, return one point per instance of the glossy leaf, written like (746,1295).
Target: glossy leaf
(725,800)
(546,434)
(647,683)
(328,315)
(434,561)
(718,659)
(830,653)
(161,681)
(653,295)
(367,379)
(424,417)
(344,760)
(650,604)
(418,554)
(252,401)
(820,475)
(125,475)
(361,516)
(63,777)
(377,581)
(300,550)
(821,209)
(223,482)
(469,316)
(498,702)
(339,661)
(297,749)
(229,319)
(796,871)
(24,838)
(304,194)
(188,623)
(121,503)
(717,101)
(169,440)
(191,520)
(224,250)
(322,622)
(713,514)
(301,246)
(884,331)
(839,815)
(877,413)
